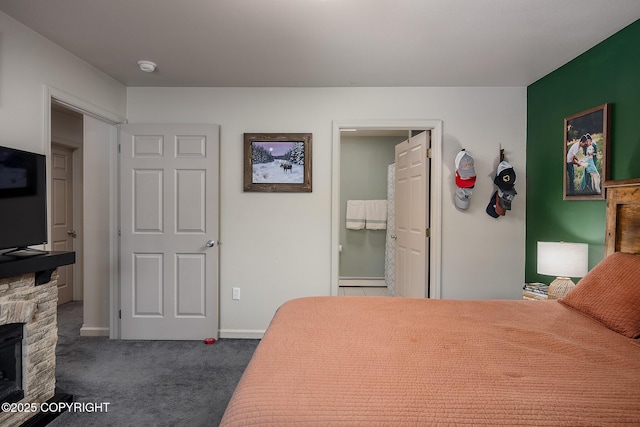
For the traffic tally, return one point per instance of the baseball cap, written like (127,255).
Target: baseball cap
(505,197)
(462,198)
(505,176)
(465,171)
(491,207)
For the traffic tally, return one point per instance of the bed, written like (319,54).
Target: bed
(573,361)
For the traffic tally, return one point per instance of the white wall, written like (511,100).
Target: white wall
(98,193)
(277,246)
(29,64)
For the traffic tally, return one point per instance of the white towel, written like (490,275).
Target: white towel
(355,214)
(376,214)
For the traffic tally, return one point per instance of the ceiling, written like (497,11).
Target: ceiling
(326,43)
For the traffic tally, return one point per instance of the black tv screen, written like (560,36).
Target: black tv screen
(23,199)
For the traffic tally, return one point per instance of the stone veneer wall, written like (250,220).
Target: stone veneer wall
(23,302)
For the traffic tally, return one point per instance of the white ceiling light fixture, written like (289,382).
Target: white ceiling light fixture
(147,66)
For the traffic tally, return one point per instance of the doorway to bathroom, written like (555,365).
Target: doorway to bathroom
(367,178)
(359,256)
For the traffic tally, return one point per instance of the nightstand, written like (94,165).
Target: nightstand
(535,291)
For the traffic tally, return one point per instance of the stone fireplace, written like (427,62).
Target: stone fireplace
(35,309)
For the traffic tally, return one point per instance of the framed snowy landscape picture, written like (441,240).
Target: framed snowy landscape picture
(277,162)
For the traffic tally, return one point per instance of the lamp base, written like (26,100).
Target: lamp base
(560,287)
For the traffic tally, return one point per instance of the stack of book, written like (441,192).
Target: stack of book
(535,291)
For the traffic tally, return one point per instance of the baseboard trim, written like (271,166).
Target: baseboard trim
(251,334)
(88,331)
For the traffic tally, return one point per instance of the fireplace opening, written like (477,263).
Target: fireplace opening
(11,363)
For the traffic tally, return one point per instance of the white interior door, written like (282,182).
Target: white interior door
(62,225)
(412,198)
(169,231)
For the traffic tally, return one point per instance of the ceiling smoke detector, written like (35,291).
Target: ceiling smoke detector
(147,66)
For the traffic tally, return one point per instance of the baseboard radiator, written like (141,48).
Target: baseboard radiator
(367,282)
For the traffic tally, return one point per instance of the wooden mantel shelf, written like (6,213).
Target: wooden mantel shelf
(41,263)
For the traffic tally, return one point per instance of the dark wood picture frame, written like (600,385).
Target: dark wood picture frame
(587,142)
(277,162)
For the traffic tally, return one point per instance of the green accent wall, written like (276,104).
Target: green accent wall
(607,73)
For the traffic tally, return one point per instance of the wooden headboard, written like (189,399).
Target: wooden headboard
(623,216)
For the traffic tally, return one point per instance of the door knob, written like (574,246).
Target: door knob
(210,243)
(72,233)
(393,236)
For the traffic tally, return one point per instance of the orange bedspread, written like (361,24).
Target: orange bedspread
(394,361)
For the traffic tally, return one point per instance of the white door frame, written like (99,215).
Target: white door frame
(86,108)
(435,223)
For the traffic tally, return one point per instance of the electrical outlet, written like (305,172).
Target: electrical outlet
(236,293)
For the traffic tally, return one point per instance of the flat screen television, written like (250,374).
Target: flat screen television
(23,199)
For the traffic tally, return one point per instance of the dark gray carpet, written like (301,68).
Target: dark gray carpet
(147,383)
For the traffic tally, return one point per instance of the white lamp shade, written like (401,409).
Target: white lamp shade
(563,259)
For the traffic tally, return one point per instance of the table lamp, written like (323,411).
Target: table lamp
(563,260)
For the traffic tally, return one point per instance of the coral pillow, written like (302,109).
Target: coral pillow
(610,294)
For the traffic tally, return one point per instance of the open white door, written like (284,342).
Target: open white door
(412,199)
(62,225)
(169,231)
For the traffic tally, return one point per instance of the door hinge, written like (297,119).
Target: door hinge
(427,232)
(119,314)
(119,232)
(119,148)
(428,153)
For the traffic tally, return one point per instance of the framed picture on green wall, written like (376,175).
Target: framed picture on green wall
(587,141)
